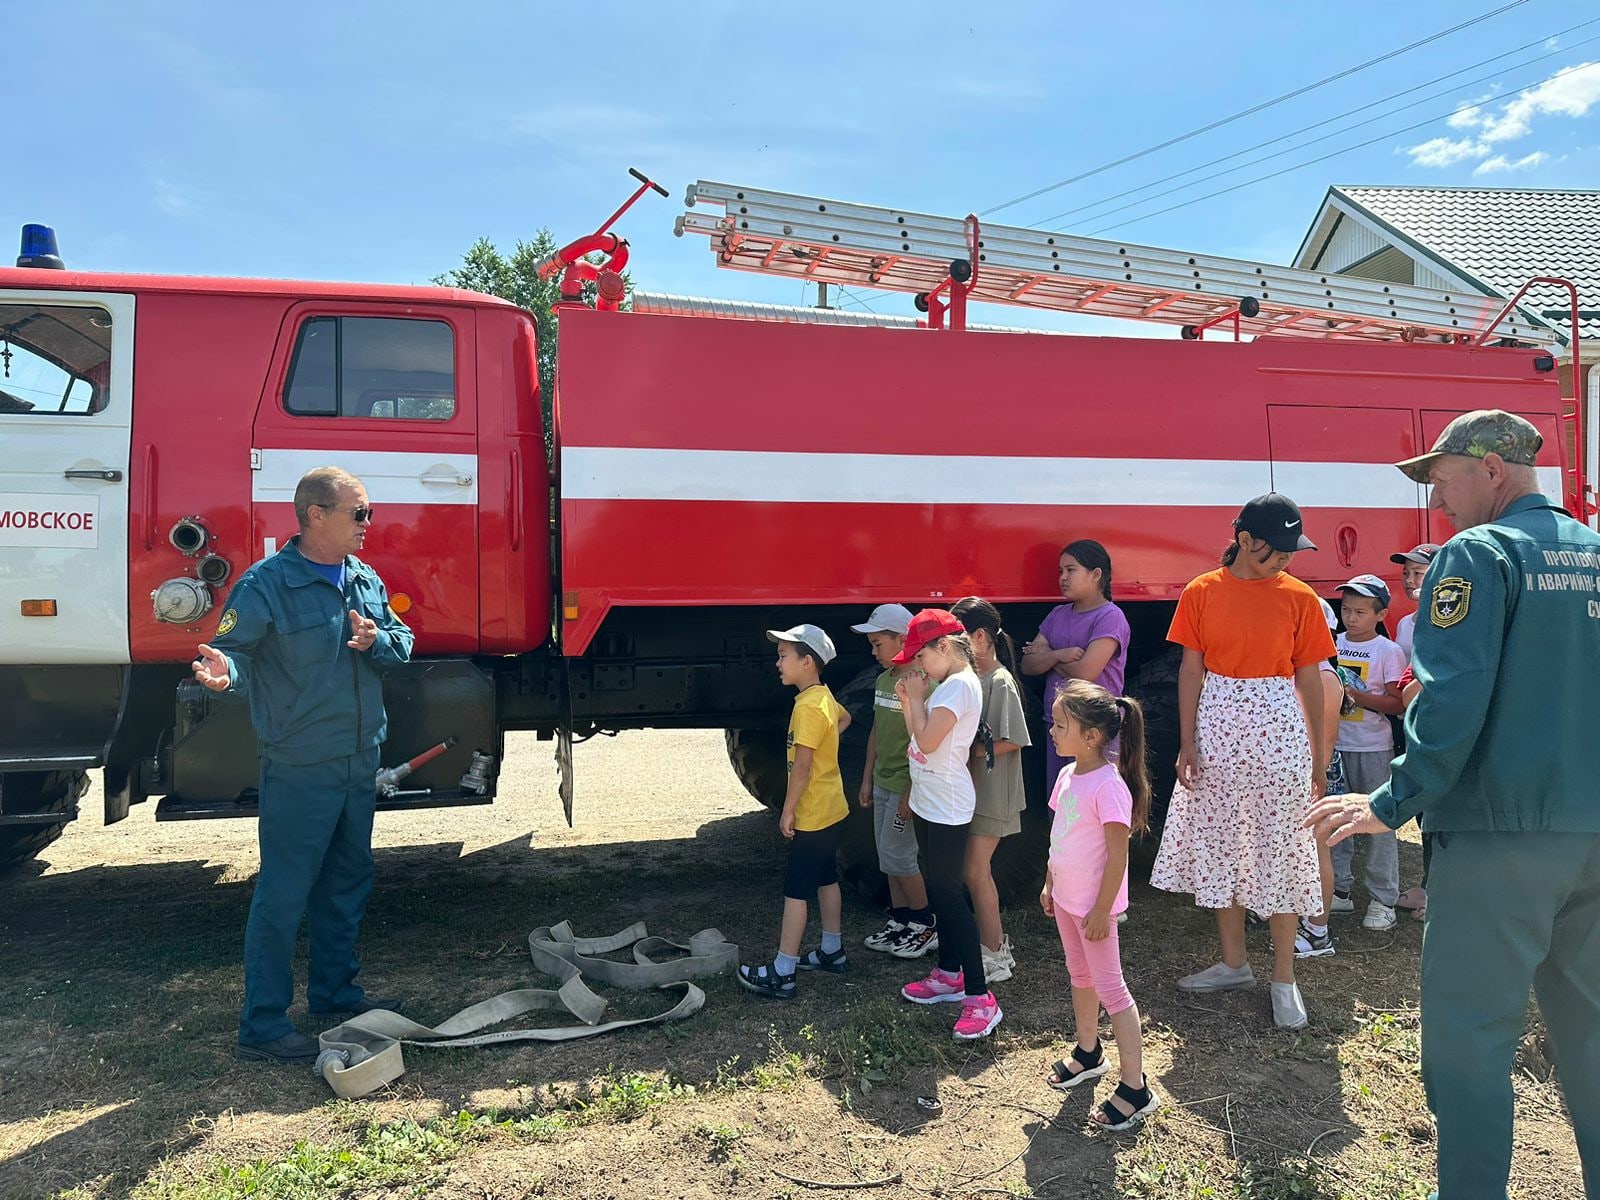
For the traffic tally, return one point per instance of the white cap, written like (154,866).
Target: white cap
(1327,614)
(886,618)
(811,635)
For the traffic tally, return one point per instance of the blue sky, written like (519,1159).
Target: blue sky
(372,141)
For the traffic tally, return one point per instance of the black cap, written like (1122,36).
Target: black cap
(1275,520)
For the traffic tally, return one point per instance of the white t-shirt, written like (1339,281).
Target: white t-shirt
(1404,632)
(941,785)
(1378,662)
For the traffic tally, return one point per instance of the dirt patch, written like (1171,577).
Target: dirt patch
(120,996)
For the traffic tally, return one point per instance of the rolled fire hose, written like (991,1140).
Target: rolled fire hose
(363,1054)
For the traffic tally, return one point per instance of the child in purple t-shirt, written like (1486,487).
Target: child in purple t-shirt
(1085,638)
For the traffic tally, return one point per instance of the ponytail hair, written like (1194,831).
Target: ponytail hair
(976,613)
(1094,557)
(963,644)
(1092,707)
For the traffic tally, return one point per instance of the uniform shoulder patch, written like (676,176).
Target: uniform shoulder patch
(229,620)
(1449,601)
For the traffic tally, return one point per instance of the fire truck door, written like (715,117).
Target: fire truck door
(391,398)
(1338,465)
(1552,480)
(66,400)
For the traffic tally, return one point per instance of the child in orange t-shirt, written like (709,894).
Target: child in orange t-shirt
(1253,640)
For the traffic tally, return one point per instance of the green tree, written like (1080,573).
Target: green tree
(514,277)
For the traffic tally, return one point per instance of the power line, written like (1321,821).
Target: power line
(1144,187)
(1382,137)
(1300,91)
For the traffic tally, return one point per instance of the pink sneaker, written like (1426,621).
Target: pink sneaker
(938,987)
(979,1016)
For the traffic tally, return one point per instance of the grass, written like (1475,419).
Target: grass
(880,1042)
(402,1154)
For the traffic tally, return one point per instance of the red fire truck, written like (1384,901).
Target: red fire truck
(714,469)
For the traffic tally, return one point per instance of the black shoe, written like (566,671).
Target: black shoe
(290,1048)
(764,981)
(364,1005)
(833,961)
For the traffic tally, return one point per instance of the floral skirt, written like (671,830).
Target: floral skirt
(1235,837)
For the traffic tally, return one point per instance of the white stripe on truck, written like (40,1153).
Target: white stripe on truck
(618,473)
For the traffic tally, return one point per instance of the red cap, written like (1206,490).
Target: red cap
(929,625)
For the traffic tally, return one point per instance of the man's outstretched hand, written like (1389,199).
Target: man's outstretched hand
(211,669)
(1340,817)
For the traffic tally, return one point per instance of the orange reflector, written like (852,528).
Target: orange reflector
(401,603)
(38,608)
(569,606)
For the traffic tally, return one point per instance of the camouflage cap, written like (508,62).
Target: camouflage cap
(1477,435)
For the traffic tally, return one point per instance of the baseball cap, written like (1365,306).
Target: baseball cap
(886,618)
(929,625)
(1328,614)
(1370,586)
(1420,555)
(1275,520)
(1476,434)
(811,635)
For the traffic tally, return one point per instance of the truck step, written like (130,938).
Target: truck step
(174,808)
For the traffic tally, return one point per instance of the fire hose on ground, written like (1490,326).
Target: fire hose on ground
(363,1054)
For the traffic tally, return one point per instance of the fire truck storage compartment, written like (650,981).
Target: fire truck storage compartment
(209,768)
(1339,463)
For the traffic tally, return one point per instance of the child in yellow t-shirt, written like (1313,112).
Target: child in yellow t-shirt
(813,815)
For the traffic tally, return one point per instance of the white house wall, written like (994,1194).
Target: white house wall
(1351,243)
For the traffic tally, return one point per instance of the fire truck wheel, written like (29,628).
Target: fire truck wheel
(759,759)
(37,792)
(1155,685)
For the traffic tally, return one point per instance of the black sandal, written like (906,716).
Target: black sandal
(764,981)
(1142,1100)
(832,961)
(1092,1067)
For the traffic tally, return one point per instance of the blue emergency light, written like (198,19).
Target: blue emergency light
(39,248)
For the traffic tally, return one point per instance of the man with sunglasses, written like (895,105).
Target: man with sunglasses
(304,635)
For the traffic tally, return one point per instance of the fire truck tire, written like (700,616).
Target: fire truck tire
(38,792)
(758,758)
(1155,686)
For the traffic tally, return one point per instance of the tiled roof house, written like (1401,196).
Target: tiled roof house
(1486,240)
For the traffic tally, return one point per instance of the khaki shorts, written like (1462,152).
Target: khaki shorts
(995,825)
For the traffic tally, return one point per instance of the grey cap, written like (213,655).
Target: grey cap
(1477,435)
(809,635)
(886,618)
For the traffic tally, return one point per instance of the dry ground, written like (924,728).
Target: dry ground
(121,984)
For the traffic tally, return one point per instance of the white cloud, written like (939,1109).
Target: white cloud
(1442,152)
(1470,115)
(1570,92)
(1500,162)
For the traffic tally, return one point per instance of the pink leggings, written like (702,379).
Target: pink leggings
(1094,964)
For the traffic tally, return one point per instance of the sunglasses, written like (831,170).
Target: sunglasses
(360,515)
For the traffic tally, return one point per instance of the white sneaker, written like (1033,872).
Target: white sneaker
(1219,977)
(916,941)
(997,964)
(1379,918)
(1288,1007)
(886,937)
(1342,904)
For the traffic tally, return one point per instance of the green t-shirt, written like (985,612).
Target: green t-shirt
(891,769)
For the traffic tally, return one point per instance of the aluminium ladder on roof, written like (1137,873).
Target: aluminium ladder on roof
(862,246)
(669,304)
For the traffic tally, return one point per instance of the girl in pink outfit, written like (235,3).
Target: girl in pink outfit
(1097,803)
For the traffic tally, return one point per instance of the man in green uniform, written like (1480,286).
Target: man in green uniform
(304,635)
(1508,655)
